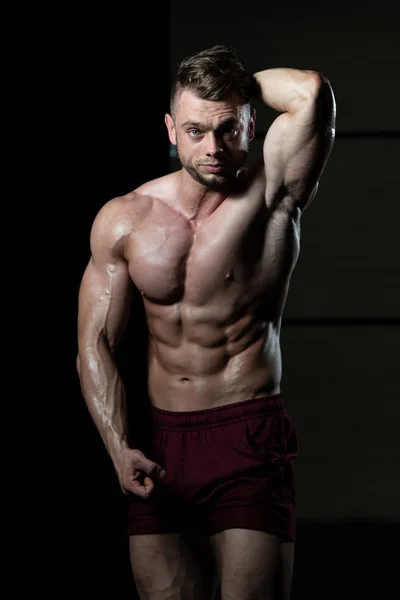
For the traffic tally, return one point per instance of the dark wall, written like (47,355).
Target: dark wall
(110,90)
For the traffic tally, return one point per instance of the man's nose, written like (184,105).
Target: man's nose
(213,144)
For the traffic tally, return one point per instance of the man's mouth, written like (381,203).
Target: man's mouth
(214,167)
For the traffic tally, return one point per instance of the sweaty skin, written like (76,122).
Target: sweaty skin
(213,290)
(211,251)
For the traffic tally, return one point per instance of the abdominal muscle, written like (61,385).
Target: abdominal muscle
(215,366)
(213,298)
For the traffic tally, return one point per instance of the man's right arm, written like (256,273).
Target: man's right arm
(104,303)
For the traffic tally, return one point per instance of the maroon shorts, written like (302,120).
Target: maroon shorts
(230,466)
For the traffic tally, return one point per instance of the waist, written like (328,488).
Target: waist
(188,392)
(216,416)
(198,378)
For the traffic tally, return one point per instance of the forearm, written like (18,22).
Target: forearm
(285,89)
(105,397)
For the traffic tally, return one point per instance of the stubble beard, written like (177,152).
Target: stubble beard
(211,181)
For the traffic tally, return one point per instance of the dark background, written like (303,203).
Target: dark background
(108,89)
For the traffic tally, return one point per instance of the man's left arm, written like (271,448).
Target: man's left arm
(299,141)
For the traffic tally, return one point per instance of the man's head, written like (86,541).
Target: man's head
(211,121)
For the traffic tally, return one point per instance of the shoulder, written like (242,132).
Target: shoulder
(116,220)
(121,216)
(117,212)
(163,188)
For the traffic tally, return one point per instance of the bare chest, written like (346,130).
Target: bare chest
(237,248)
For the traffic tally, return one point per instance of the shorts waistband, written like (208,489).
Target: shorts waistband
(198,419)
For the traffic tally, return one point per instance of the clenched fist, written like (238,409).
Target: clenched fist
(137,473)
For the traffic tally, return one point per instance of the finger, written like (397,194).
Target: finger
(149,467)
(148,485)
(136,488)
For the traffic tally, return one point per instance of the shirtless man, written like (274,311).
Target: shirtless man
(211,248)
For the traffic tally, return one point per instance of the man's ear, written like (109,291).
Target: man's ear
(171,129)
(252,124)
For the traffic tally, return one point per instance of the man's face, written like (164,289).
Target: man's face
(212,137)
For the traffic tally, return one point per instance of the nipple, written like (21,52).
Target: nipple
(229,275)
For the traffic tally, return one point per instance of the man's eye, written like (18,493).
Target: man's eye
(194,132)
(230,131)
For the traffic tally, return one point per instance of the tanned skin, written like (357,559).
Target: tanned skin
(211,248)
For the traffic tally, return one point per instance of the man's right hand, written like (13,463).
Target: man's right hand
(137,473)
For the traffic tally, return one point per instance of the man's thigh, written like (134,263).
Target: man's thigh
(253,564)
(173,565)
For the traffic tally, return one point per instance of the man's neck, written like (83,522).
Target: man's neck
(195,200)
